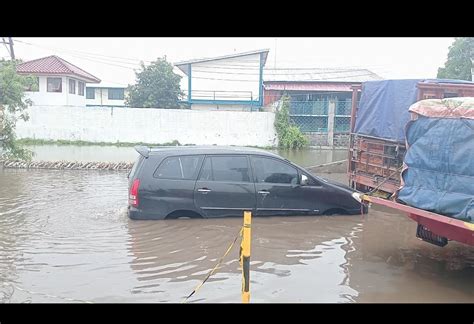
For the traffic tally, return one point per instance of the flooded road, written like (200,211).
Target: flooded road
(128,154)
(65,237)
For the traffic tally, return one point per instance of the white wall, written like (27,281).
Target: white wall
(103,124)
(221,107)
(74,99)
(102,98)
(238,77)
(64,98)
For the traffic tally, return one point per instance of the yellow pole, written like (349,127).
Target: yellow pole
(245,258)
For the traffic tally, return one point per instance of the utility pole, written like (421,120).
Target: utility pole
(471,43)
(12,52)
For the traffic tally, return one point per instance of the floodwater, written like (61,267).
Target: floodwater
(128,154)
(65,237)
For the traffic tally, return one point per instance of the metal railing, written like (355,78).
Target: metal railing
(220,95)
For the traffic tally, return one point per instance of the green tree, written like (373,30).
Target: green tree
(459,63)
(13,106)
(289,135)
(157,86)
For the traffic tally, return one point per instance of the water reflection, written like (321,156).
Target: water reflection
(293,256)
(304,158)
(66,234)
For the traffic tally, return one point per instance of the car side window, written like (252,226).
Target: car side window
(311,181)
(268,170)
(225,168)
(179,167)
(206,171)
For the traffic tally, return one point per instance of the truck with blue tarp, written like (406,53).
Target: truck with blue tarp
(378,120)
(415,148)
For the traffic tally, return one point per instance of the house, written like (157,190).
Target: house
(320,99)
(230,82)
(107,95)
(58,82)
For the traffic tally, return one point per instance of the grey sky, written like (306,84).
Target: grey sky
(113,59)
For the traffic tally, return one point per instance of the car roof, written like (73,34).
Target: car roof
(201,149)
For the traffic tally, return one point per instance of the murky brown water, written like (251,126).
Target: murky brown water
(65,235)
(128,154)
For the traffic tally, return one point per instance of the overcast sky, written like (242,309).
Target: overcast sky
(113,60)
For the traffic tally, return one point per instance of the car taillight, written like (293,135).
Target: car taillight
(133,197)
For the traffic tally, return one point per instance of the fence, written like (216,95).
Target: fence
(327,122)
(342,118)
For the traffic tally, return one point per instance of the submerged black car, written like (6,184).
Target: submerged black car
(205,182)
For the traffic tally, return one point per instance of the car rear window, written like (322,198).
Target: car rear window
(179,167)
(135,166)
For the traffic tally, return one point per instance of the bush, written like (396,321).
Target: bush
(289,135)
(13,106)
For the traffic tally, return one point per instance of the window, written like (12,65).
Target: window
(226,168)
(54,85)
(268,170)
(33,86)
(80,89)
(136,166)
(90,93)
(116,94)
(311,181)
(206,172)
(450,94)
(179,167)
(72,86)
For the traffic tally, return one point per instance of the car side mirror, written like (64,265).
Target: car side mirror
(304,180)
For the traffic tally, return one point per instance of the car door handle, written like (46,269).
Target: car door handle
(204,190)
(264,192)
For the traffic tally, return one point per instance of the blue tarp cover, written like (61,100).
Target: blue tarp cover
(440,161)
(383,108)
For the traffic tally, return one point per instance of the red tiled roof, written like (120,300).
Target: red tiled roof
(54,65)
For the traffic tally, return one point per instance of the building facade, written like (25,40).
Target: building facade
(231,82)
(320,100)
(105,95)
(58,82)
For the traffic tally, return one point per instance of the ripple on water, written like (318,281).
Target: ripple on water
(66,233)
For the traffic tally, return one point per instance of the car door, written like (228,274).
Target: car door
(279,191)
(224,186)
(169,185)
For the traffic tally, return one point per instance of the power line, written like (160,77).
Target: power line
(93,57)
(272,74)
(90,54)
(204,78)
(5,43)
(84,58)
(88,58)
(314,80)
(126,60)
(10,49)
